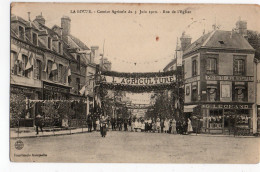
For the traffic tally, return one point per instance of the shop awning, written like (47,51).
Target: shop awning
(189,108)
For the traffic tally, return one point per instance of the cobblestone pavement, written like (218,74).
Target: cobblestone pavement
(137,148)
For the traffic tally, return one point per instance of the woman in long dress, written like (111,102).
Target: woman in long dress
(166,125)
(173,126)
(189,126)
(98,124)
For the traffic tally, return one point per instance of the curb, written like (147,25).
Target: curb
(23,137)
(223,136)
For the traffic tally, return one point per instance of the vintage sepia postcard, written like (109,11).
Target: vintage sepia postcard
(134,83)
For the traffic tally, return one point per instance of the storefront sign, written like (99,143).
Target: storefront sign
(229,78)
(225,106)
(138,81)
(193,79)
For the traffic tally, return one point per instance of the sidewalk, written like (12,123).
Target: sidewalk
(29,132)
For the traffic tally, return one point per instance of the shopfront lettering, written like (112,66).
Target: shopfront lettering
(228,78)
(225,106)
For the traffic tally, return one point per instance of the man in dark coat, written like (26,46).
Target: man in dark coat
(38,123)
(89,124)
(125,124)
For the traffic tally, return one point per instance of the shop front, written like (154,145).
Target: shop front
(227,118)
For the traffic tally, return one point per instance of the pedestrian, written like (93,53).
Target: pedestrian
(136,125)
(119,124)
(150,126)
(162,126)
(166,125)
(189,129)
(143,126)
(170,126)
(98,125)
(38,123)
(154,126)
(103,125)
(94,124)
(113,121)
(125,124)
(158,125)
(173,126)
(89,121)
(129,124)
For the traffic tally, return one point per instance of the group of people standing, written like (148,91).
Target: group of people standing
(170,126)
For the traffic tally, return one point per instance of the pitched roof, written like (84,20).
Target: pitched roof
(79,43)
(221,40)
(174,61)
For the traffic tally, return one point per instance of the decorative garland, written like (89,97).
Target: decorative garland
(132,75)
(137,89)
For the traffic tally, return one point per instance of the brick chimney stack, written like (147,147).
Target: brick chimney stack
(185,41)
(241,27)
(65,25)
(40,19)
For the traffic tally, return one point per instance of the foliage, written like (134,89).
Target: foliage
(254,41)
(17,107)
(51,114)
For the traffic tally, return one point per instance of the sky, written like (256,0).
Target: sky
(140,42)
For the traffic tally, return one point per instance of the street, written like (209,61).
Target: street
(137,147)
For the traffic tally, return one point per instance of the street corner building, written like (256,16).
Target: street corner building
(220,74)
(49,64)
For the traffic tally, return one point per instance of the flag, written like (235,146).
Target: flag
(54,67)
(69,75)
(82,91)
(28,65)
(20,58)
(69,72)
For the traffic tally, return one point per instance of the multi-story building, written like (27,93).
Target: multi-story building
(38,64)
(49,63)
(219,79)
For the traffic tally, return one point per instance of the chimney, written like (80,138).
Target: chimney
(185,41)
(94,53)
(241,27)
(29,17)
(65,25)
(40,19)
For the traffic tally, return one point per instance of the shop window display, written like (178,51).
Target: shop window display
(215,119)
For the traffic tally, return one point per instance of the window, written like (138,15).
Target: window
(78,84)
(225,91)
(194,95)
(240,93)
(35,39)
(59,47)
(21,32)
(211,65)
(49,43)
(187,90)
(78,64)
(24,63)
(49,66)
(239,67)
(194,68)
(38,69)
(212,94)
(60,73)
(14,64)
